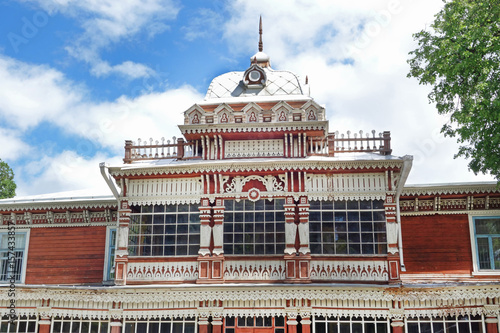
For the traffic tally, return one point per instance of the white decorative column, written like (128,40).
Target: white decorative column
(304,226)
(121,257)
(392,230)
(290,226)
(205,228)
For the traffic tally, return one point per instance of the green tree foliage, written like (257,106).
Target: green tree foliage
(7,185)
(460,57)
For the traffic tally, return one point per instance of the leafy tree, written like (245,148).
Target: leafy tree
(7,184)
(460,57)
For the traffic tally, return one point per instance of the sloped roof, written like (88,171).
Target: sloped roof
(231,85)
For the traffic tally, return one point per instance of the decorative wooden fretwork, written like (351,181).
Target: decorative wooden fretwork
(346,186)
(164,190)
(162,271)
(269,270)
(253,148)
(366,270)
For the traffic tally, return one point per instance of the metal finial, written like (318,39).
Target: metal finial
(261,46)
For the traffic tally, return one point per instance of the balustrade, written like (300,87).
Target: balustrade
(327,145)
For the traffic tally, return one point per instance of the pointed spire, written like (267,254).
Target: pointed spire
(260,58)
(261,46)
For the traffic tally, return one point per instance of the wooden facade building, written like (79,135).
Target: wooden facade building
(259,219)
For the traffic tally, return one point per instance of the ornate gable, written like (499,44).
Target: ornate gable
(195,115)
(224,114)
(282,111)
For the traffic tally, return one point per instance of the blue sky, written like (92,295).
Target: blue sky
(77,78)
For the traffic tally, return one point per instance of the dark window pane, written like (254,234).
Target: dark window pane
(365,204)
(229,321)
(413,328)
(327,216)
(320,327)
(353,216)
(340,216)
(314,205)
(339,205)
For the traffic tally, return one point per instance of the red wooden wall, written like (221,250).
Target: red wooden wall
(437,244)
(73,255)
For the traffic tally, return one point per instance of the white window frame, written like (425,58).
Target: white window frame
(107,254)
(350,321)
(6,323)
(25,252)
(472,232)
(445,320)
(80,321)
(171,320)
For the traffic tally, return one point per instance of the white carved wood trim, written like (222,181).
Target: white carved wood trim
(369,270)
(346,186)
(253,148)
(165,190)
(162,271)
(259,300)
(260,270)
(360,182)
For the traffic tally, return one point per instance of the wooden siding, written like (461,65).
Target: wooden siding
(437,244)
(73,255)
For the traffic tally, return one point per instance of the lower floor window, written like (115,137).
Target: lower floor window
(12,255)
(272,324)
(75,325)
(163,325)
(460,324)
(487,234)
(350,325)
(22,324)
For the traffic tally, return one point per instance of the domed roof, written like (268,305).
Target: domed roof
(259,80)
(231,85)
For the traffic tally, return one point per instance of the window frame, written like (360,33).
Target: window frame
(107,255)
(252,242)
(143,215)
(61,321)
(473,239)
(457,320)
(25,231)
(352,237)
(5,322)
(319,320)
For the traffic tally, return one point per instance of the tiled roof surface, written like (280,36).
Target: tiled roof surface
(230,85)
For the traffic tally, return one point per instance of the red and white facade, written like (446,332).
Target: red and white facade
(260,219)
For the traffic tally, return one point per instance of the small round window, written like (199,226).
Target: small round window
(254,76)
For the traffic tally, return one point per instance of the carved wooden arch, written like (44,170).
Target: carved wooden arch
(270,183)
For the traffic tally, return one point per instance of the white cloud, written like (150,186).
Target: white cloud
(128,69)
(108,22)
(153,115)
(32,94)
(67,170)
(12,146)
